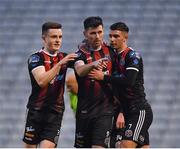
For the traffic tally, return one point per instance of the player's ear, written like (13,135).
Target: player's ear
(126,35)
(43,37)
(85,34)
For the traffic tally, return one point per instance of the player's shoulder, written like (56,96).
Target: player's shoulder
(36,52)
(111,50)
(35,56)
(105,44)
(132,53)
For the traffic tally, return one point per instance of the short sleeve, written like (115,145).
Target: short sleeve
(133,59)
(81,56)
(34,61)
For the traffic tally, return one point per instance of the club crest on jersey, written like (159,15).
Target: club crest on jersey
(128,133)
(135,61)
(34,59)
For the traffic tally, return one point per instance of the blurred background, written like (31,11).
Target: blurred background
(154,32)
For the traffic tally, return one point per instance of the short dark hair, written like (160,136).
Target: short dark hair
(93,21)
(120,26)
(50,25)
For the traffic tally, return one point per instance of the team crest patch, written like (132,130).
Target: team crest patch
(128,133)
(135,62)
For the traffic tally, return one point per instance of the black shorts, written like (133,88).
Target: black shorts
(116,134)
(137,125)
(93,131)
(42,125)
(116,137)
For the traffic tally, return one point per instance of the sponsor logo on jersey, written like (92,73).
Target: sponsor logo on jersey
(30,129)
(34,59)
(132,54)
(107,139)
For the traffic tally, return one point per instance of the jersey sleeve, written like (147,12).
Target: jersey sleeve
(133,61)
(80,57)
(128,78)
(112,58)
(35,60)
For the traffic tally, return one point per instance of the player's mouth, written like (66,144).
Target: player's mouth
(57,45)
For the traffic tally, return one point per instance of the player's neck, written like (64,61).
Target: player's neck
(94,48)
(50,52)
(120,50)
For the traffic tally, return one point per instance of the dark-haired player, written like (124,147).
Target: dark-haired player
(130,84)
(47,70)
(94,113)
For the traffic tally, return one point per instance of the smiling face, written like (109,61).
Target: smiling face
(94,36)
(52,40)
(118,39)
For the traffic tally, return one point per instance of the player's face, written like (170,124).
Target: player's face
(117,39)
(94,36)
(53,40)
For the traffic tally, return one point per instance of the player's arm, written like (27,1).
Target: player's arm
(43,77)
(128,78)
(83,69)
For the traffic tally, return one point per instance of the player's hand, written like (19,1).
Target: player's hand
(101,63)
(120,122)
(67,58)
(96,74)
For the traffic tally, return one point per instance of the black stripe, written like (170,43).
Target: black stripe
(92,83)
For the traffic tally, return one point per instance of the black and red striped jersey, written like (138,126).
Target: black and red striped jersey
(95,97)
(51,96)
(128,78)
